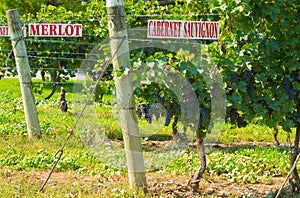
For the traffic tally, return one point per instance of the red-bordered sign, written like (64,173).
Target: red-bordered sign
(4,31)
(48,30)
(183,29)
(55,30)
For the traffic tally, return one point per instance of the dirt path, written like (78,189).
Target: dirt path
(159,185)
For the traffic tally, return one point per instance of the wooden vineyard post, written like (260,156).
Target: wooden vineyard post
(124,92)
(20,53)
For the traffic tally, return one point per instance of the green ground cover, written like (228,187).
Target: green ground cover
(244,155)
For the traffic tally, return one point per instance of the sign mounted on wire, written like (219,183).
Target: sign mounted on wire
(4,31)
(47,30)
(183,29)
(55,30)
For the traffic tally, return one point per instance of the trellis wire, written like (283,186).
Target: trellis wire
(11,51)
(54,83)
(26,22)
(61,58)
(58,41)
(55,52)
(67,53)
(50,69)
(162,15)
(58,58)
(59,152)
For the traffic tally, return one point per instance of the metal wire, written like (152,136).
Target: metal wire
(59,41)
(91,20)
(54,52)
(71,131)
(11,51)
(61,58)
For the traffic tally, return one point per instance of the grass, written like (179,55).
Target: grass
(94,163)
(254,132)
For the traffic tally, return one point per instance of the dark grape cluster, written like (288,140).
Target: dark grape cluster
(290,91)
(143,110)
(232,114)
(235,118)
(248,77)
(107,75)
(100,89)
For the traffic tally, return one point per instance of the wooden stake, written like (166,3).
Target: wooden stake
(125,97)
(20,53)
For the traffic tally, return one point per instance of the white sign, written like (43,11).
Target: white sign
(55,30)
(183,29)
(4,31)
